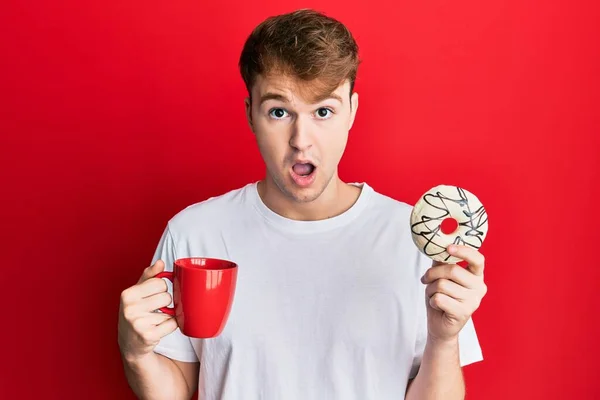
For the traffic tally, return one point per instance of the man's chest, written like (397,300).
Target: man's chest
(300,295)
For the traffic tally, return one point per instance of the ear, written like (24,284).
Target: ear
(354,107)
(248,105)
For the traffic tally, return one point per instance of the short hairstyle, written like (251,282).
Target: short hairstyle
(306,45)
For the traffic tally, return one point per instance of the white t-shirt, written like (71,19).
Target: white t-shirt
(330,309)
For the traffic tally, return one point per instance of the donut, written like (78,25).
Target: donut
(444,203)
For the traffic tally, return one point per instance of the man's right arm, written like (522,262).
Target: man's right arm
(155,376)
(149,374)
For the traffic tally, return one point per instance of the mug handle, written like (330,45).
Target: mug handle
(169,276)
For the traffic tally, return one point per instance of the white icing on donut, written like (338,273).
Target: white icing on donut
(439,203)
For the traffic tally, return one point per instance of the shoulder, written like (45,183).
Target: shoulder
(389,219)
(212,212)
(384,206)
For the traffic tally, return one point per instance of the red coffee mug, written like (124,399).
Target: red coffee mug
(203,293)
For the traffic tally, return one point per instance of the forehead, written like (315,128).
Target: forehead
(296,90)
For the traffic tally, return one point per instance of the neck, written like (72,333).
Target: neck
(337,198)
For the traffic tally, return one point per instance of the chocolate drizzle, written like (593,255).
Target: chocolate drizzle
(429,226)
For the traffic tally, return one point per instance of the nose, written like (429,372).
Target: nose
(301,138)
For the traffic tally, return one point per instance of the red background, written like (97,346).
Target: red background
(114,116)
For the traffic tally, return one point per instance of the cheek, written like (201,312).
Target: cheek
(334,140)
(272,144)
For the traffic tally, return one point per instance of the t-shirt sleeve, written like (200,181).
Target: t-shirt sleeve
(175,345)
(468,342)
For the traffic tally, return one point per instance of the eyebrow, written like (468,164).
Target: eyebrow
(279,97)
(273,96)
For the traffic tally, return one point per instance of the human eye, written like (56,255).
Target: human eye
(324,113)
(277,113)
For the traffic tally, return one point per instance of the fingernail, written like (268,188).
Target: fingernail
(452,249)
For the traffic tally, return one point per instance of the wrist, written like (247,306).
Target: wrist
(441,351)
(133,358)
(449,343)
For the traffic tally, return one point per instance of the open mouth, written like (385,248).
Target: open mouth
(303,174)
(303,169)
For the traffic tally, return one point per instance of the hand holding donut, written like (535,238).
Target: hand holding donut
(453,293)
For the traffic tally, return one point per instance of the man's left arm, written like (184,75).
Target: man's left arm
(453,294)
(440,374)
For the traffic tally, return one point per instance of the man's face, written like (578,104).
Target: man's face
(300,142)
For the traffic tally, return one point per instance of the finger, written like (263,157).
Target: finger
(166,327)
(146,321)
(474,259)
(157,318)
(155,302)
(135,293)
(452,272)
(447,304)
(447,287)
(152,270)
(151,287)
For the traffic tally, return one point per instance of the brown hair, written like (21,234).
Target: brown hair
(303,44)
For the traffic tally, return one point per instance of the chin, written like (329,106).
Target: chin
(304,195)
(300,194)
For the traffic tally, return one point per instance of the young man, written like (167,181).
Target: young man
(333,299)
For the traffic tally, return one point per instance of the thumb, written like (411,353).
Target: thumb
(149,272)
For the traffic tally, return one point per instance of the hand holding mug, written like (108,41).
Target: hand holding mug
(140,328)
